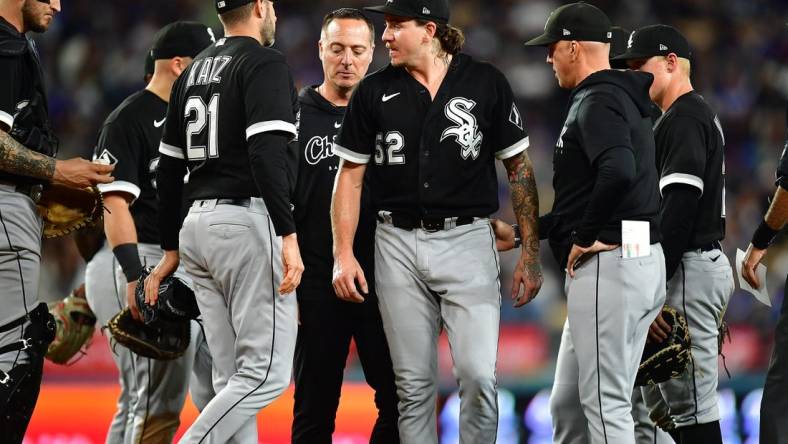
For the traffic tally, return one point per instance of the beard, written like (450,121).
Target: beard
(33,19)
(268,32)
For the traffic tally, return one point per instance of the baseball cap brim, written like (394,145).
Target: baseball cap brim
(392,10)
(542,40)
(632,55)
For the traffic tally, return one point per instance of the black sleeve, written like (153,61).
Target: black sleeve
(615,171)
(606,140)
(268,157)
(356,139)
(678,210)
(116,147)
(171,170)
(603,125)
(271,126)
(169,180)
(11,67)
(508,128)
(782,168)
(685,141)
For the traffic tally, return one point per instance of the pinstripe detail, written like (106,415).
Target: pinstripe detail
(273,337)
(689,342)
(598,373)
(495,369)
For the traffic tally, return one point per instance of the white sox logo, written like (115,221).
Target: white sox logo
(467,133)
(318,148)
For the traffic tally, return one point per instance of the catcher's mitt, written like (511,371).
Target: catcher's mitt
(65,209)
(75,324)
(667,359)
(176,301)
(163,340)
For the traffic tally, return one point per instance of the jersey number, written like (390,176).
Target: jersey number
(392,153)
(195,127)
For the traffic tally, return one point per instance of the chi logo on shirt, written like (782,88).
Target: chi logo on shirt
(466,133)
(317,149)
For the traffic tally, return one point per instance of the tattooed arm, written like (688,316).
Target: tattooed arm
(17,159)
(525,202)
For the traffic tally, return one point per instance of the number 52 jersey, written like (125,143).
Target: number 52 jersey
(232,91)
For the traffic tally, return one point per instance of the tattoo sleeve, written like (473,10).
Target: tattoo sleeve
(16,159)
(525,202)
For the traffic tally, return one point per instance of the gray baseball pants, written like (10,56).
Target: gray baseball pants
(152,393)
(427,281)
(611,303)
(235,260)
(699,290)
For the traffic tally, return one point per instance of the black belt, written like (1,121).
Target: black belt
(31,190)
(431,224)
(709,247)
(238,201)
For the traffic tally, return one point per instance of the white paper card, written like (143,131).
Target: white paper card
(635,239)
(760,294)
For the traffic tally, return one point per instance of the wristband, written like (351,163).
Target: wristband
(518,237)
(129,259)
(763,236)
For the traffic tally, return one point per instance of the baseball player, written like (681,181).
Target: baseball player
(152,392)
(327,324)
(27,161)
(431,125)
(231,116)
(774,404)
(690,161)
(605,229)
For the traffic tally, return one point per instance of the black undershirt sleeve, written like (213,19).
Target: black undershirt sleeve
(678,211)
(268,158)
(616,171)
(169,181)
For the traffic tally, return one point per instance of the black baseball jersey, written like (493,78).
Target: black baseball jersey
(691,151)
(317,169)
(782,167)
(436,157)
(609,109)
(23,101)
(130,140)
(233,90)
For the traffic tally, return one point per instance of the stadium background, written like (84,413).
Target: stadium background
(93,57)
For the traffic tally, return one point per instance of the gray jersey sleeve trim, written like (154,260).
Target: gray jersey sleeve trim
(122,186)
(271,125)
(172,151)
(6,118)
(513,150)
(687,179)
(351,156)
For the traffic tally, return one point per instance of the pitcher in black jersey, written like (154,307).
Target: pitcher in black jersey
(129,140)
(231,116)
(327,324)
(691,165)
(428,129)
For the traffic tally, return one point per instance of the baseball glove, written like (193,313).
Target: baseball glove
(163,340)
(65,209)
(667,359)
(176,301)
(75,324)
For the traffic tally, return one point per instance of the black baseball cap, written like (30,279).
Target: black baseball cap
(656,40)
(575,21)
(618,45)
(181,39)
(223,6)
(432,10)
